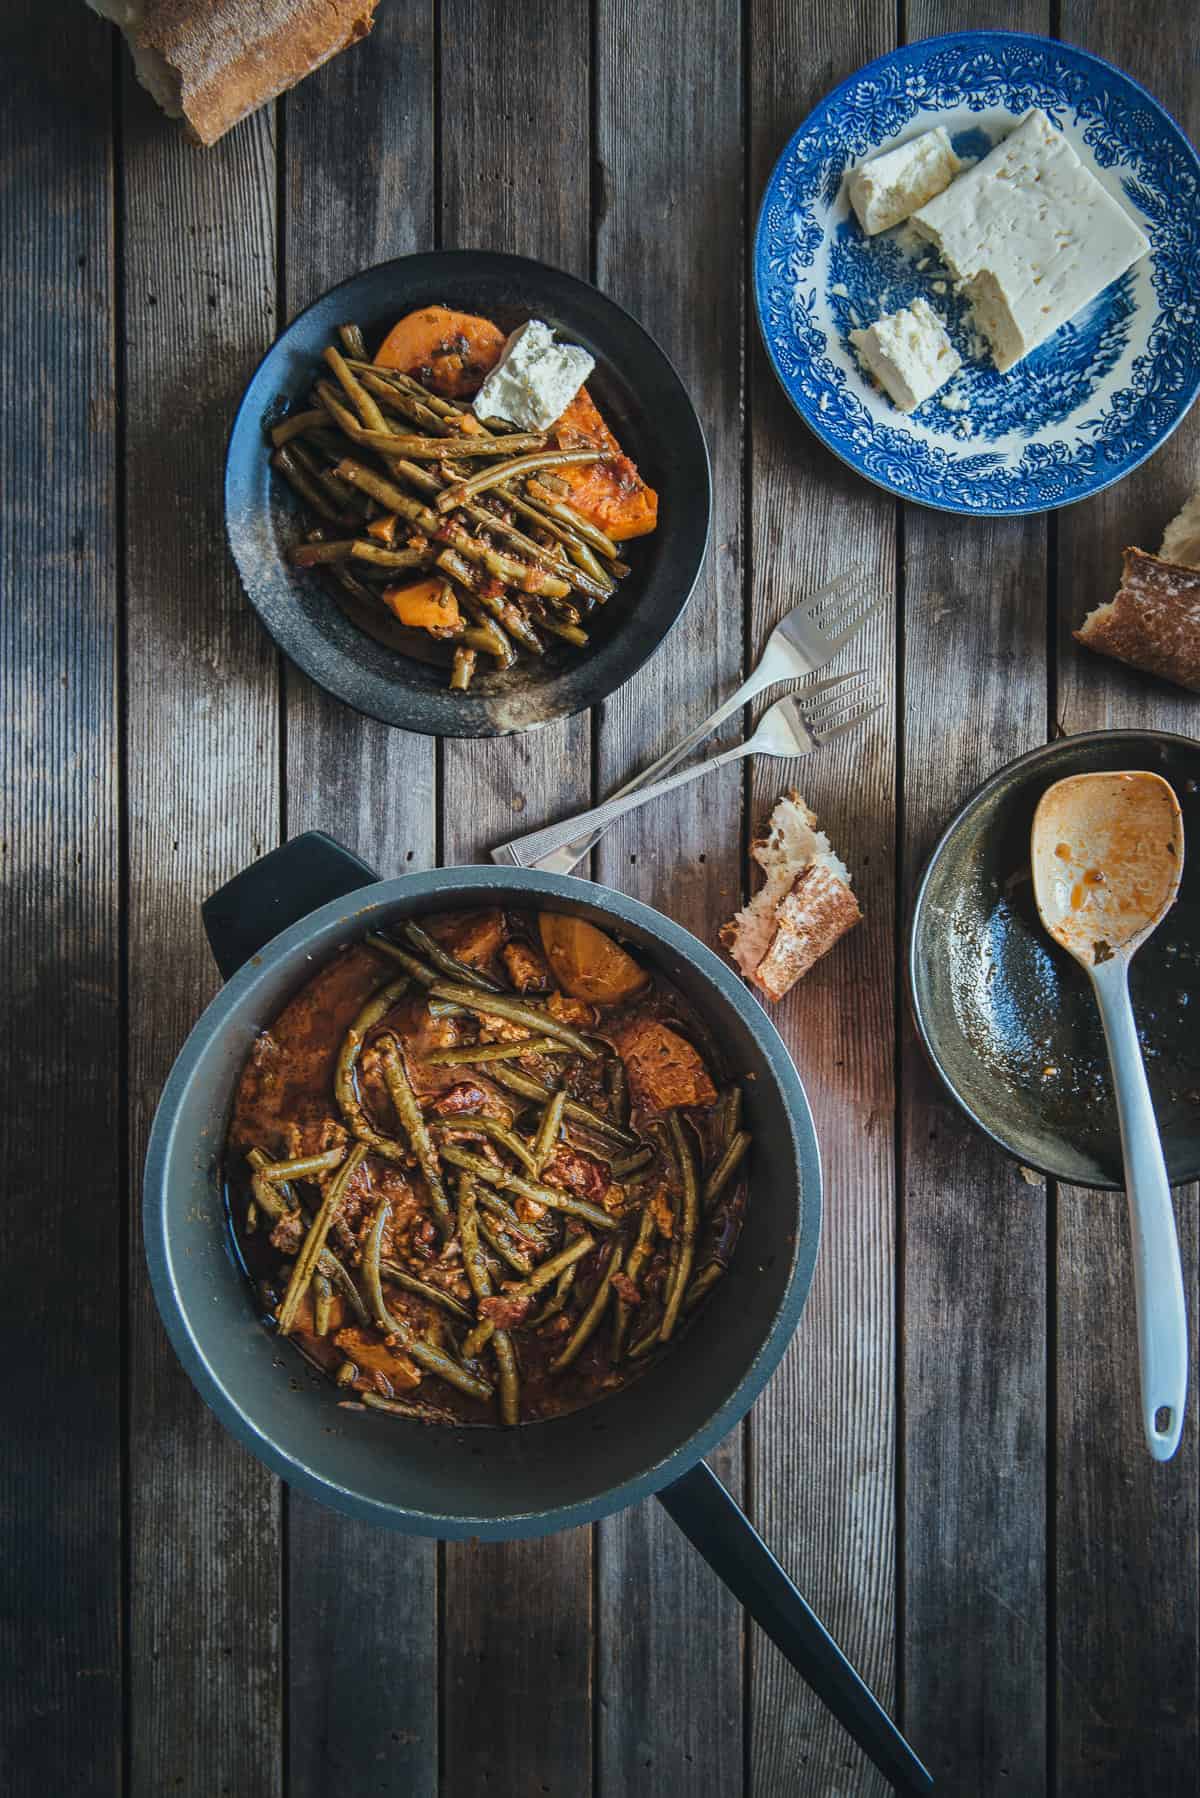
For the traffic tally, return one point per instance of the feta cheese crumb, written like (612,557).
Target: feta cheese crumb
(888,188)
(535,379)
(841,290)
(939,286)
(909,353)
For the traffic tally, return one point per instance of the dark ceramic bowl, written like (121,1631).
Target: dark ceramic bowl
(638,392)
(432,1480)
(1008,1018)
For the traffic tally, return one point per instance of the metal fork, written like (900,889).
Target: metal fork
(805,639)
(794,726)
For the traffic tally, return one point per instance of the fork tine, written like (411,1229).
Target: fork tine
(814,601)
(843,610)
(852,630)
(851,694)
(840,730)
(834,680)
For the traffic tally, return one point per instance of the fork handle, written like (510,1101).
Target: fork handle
(568,855)
(527,851)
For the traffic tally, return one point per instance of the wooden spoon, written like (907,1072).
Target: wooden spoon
(1107,860)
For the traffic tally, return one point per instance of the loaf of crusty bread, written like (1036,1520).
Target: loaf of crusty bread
(805,905)
(1153,623)
(210,62)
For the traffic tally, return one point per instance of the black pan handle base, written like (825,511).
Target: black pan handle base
(278,889)
(735,1551)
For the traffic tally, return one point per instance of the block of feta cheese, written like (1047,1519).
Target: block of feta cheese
(535,379)
(805,905)
(909,353)
(1181,539)
(1030,237)
(888,188)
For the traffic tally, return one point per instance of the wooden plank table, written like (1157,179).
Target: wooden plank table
(949,1460)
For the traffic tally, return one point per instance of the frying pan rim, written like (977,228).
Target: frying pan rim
(1043,752)
(354,910)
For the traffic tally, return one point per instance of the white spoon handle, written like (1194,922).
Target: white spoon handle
(1158,1278)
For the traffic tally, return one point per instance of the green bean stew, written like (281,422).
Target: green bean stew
(496,1209)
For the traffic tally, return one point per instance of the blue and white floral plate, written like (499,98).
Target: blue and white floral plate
(1087,406)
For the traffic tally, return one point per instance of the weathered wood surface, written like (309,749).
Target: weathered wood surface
(670,176)
(202,797)
(965,1367)
(60,1022)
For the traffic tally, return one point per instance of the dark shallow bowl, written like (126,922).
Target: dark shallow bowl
(998,1003)
(638,392)
(434,1480)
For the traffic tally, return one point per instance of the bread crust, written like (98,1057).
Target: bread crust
(1153,623)
(212,62)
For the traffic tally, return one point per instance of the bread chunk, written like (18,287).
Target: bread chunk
(210,62)
(804,906)
(1153,623)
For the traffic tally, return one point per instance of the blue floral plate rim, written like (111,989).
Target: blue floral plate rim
(1142,393)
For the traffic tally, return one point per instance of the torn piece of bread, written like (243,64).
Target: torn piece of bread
(804,907)
(1181,539)
(210,62)
(1153,623)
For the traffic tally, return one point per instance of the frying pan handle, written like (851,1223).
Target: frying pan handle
(736,1552)
(277,890)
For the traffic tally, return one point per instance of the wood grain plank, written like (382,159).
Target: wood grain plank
(517,1642)
(670,159)
(974,1300)
(60,1139)
(358,189)
(1128,1675)
(823,1437)
(203,800)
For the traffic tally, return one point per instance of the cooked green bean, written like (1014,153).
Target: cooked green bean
(397,400)
(542,1276)
(346,1374)
(557,1200)
(525,575)
(489,640)
(557,1303)
(703,1283)
(387,493)
(416,968)
(541,1023)
(353,341)
(433,449)
(515,467)
(529,1088)
(469,1053)
(629,1164)
(402,1407)
(469,1224)
(357,1121)
(409,1113)
(330,1265)
(689,1217)
(363,402)
(462,670)
(570,633)
(474,1122)
(322,1302)
(433,1295)
(721,1175)
(441,1008)
(573,520)
(306,1261)
(296,426)
(550,1196)
(491,1201)
(503,611)
(644,1343)
(547,1135)
(421,1352)
(506,1249)
(588,1323)
(638,1256)
(730,1114)
(305,486)
(449,964)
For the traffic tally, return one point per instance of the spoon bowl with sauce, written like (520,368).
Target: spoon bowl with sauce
(1107,855)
